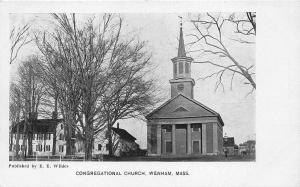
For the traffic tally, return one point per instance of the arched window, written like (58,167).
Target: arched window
(187,67)
(175,69)
(180,67)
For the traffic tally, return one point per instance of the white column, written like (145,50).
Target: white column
(215,138)
(158,139)
(149,139)
(173,139)
(189,139)
(203,138)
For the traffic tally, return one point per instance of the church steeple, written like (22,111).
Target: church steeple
(181,48)
(182,81)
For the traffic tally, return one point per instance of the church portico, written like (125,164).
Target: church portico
(184,139)
(182,125)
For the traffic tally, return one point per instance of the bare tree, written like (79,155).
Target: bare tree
(14,114)
(29,92)
(91,66)
(130,95)
(214,33)
(19,37)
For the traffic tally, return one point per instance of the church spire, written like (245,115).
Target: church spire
(182,83)
(181,48)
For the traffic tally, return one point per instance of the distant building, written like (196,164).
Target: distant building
(124,143)
(42,133)
(182,125)
(49,133)
(229,146)
(247,147)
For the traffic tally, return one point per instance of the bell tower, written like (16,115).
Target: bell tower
(182,81)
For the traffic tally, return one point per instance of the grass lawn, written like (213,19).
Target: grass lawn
(237,158)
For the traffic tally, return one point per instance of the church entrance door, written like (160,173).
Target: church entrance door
(180,137)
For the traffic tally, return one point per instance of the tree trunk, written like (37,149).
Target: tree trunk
(70,131)
(17,139)
(11,139)
(18,127)
(89,148)
(55,116)
(89,138)
(30,135)
(54,142)
(110,143)
(25,132)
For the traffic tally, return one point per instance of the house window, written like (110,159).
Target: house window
(61,126)
(48,136)
(47,147)
(99,147)
(61,137)
(39,147)
(168,147)
(61,148)
(40,136)
(180,67)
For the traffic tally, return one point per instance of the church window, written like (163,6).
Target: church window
(196,146)
(99,147)
(187,68)
(196,127)
(175,69)
(168,128)
(180,67)
(61,137)
(168,146)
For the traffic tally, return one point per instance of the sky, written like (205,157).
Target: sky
(161,32)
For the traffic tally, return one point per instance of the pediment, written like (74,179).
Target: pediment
(181,106)
(180,109)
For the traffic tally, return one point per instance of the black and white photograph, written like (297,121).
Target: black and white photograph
(149,93)
(131,87)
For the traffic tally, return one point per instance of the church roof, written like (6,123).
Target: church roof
(205,111)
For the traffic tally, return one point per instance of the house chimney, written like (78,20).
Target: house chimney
(118,125)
